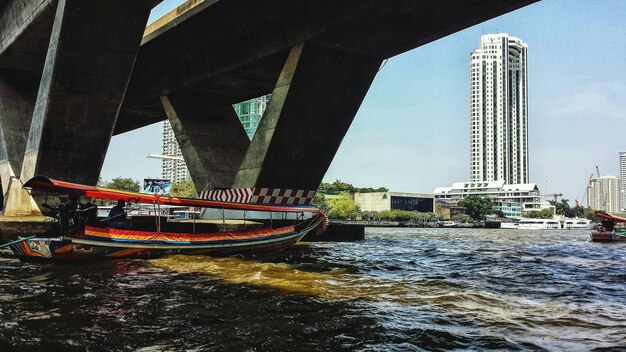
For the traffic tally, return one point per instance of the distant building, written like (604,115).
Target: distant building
(173,170)
(511,210)
(622,176)
(498,110)
(513,200)
(605,194)
(379,201)
(249,112)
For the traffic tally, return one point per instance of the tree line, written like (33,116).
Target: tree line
(339,187)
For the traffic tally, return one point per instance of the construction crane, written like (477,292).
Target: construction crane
(586,194)
(165,157)
(598,171)
(555,195)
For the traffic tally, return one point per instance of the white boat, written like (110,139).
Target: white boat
(539,224)
(446,223)
(571,224)
(509,225)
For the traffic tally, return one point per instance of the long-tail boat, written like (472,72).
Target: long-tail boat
(90,240)
(607,232)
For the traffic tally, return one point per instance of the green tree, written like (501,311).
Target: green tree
(343,207)
(339,186)
(388,215)
(462,218)
(576,212)
(562,207)
(320,201)
(477,207)
(546,214)
(542,214)
(123,184)
(184,188)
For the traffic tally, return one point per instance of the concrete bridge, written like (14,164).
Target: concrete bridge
(74,72)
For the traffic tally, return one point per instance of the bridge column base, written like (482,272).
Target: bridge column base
(18,201)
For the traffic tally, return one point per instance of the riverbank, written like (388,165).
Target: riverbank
(11,227)
(370,223)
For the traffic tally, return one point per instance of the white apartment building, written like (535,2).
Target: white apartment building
(524,197)
(622,176)
(498,110)
(605,194)
(173,170)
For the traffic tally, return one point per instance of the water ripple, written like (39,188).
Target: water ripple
(398,290)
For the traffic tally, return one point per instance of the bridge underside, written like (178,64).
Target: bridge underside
(74,73)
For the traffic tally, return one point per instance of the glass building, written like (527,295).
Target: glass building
(250,113)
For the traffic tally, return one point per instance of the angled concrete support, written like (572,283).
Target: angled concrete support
(16,111)
(211,138)
(90,56)
(317,95)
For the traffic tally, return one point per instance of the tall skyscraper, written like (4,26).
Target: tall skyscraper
(622,176)
(604,194)
(498,110)
(249,112)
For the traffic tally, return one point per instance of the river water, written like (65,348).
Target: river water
(399,289)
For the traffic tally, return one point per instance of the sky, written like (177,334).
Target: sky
(411,132)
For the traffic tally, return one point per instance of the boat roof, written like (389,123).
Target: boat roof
(44,183)
(610,217)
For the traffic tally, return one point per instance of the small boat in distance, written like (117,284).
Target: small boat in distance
(607,232)
(539,224)
(79,238)
(447,223)
(573,224)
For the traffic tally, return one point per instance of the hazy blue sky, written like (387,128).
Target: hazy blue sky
(411,132)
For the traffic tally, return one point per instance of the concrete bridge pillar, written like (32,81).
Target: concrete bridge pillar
(317,95)
(16,111)
(211,138)
(87,68)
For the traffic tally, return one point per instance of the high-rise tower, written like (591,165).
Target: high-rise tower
(172,169)
(498,110)
(622,176)
(604,194)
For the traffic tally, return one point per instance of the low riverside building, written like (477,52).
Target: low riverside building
(512,200)
(380,201)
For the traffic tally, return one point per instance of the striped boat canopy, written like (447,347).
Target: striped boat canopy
(260,196)
(47,184)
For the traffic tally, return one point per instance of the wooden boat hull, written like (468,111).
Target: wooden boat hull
(104,243)
(607,236)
